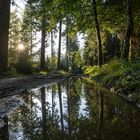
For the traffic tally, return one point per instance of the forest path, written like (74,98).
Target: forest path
(13,86)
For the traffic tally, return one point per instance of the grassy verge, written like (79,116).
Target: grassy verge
(123,77)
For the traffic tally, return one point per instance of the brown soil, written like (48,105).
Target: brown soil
(13,86)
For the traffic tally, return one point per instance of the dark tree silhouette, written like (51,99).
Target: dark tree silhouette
(4,31)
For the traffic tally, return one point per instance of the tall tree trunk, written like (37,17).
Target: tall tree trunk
(42,57)
(59,45)
(52,49)
(130,28)
(31,30)
(43,37)
(4,32)
(100,58)
(133,46)
(31,49)
(67,46)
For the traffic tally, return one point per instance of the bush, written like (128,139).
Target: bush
(121,74)
(24,64)
(91,70)
(10,73)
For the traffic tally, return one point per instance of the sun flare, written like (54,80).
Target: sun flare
(21,47)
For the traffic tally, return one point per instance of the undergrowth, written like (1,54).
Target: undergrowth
(122,76)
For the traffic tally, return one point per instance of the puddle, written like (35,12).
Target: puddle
(70,110)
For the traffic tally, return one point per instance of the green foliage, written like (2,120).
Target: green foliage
(10,73)
(51,64)
(57,72)
(91,70)
(43,72)
(111,71)
(122,75)
(14,38)
(78,17)
(62,72)
(24,64)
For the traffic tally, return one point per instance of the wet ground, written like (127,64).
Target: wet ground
(69,110)
(17,85)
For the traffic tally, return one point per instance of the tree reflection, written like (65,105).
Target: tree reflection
(101,114)
(53,103)
(44,120)
(68,108)
(61,109)
(58,113)
(4,132)
(26,119)
(73,105)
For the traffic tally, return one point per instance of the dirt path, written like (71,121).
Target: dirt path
(13,86)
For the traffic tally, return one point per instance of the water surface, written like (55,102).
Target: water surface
(72,110)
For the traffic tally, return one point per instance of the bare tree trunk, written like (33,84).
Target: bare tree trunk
(100,58)
(4,32)
(42,57)
(31,49)
(31,30)
(43,37)
(130,28)
(52,49)
(133,46)
(59,45)
(67,46)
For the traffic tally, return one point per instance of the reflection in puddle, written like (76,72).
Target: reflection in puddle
(71,110)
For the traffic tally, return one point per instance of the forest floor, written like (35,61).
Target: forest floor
(17,85)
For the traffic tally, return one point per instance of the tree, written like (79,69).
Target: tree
(100,61)
(37,18)
(42,55)
(75,60)
(106,18)
(90,54)
(4,32)
(130,28)
(14,38)
(43,36)
(28,28)
(59,45)
(23,33)
(67,43)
